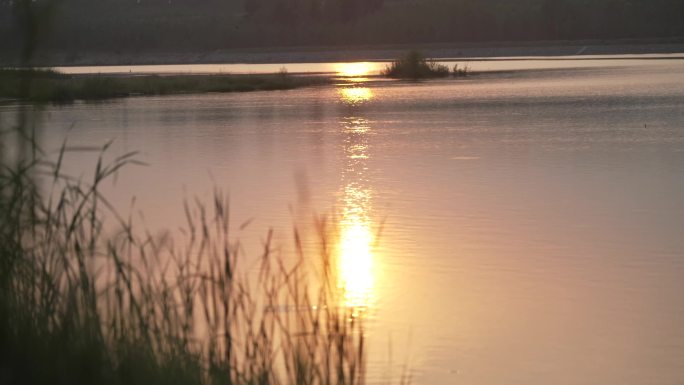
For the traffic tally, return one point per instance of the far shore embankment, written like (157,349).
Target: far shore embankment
(356,53)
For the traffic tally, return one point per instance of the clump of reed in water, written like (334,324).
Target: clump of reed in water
(414,65)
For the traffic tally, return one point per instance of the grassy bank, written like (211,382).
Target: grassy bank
(81,305)
(51,86)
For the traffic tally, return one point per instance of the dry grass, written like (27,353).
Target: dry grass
(80,307)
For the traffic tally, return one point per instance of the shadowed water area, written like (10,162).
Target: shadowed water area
(531,221)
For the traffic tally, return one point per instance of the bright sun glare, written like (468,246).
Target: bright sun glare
(356,261)
(354,69)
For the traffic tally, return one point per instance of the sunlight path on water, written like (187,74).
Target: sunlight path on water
(356,238)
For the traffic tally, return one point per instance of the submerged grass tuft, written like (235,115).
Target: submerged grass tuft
(414,65)
(461,70)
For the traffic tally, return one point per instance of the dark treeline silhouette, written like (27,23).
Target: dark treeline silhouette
(294,12)
(194,25)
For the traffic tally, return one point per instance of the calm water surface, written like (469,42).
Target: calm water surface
(533,222)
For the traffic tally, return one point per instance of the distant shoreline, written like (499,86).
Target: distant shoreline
(360,53)
(47,86)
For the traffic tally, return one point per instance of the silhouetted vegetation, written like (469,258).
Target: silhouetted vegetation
(414,65)
(51,86)
(82,304)
(81,26)
(87,297)
(460,70)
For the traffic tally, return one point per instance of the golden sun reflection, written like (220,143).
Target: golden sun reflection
(356,95)
(356,260)
(356,237)
(354,70)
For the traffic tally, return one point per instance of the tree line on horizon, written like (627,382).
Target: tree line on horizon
(195,25)
(292,12)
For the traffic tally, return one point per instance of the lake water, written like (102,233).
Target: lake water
(532,221)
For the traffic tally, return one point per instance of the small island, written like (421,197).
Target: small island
(414,65)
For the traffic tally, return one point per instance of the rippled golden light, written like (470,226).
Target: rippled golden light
(354,69)
(356,95)
(356,126)
(356,260)
(356,238)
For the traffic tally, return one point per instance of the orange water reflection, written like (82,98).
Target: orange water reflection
(356,249)
(356,95)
